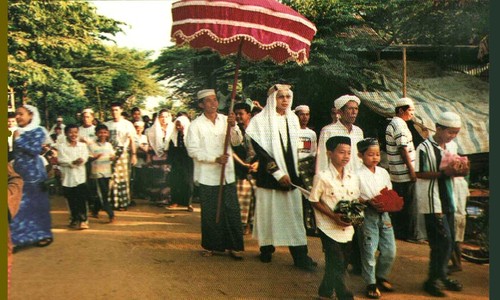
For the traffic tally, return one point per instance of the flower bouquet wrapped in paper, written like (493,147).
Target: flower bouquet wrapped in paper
(352,211)
(454,165)
(388,201)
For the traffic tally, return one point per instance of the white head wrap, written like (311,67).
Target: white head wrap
(88,110)
(35,123)
(205,93)
(59,119)
(185,123)
(158,139)
(342,100)
(302,108)
(449,119)
(404,101)
(263,129)
(139,123)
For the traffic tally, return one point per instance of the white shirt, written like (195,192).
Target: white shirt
(370,184)
(307,143)
(205,142)
(330,189)
(72,175)
(336,129)
(120,132)
(87,134)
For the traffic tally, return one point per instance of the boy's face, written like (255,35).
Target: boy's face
(72,134)
(102,135)
(371,157)
(340,156)
(178,126)
(11,122)
(139,129)
(242,117)
(136,115)
(447,134)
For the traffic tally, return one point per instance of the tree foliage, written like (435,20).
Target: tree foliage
(58,58)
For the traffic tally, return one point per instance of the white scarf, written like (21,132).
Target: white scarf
(185,123)
(264,130)
(35,123)
(159,140)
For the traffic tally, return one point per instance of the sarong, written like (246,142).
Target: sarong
(120,184)
(246,193)
(228,233)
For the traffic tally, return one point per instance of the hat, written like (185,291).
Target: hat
(342,100)
(404,101)
(88,110)
(365,143)
(59,119)
(449,119)
(277,87)
(302,108)
(332,142)
(205,93)
(139,123)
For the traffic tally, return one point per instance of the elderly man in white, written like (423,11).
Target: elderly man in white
(347,107)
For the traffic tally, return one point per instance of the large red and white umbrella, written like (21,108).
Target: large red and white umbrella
(263,28)
(255,29)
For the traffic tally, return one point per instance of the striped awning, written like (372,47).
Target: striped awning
(474,136)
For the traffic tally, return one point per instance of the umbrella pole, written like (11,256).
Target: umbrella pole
(228,134)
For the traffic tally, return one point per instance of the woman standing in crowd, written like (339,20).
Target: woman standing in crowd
(159,136)
(32,224)
(181,177)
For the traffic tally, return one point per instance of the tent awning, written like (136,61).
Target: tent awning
(474,136)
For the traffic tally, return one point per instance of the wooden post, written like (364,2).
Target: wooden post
(404,71)
(101,117)
(228,134)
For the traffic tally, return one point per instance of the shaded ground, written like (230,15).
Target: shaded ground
(152,253)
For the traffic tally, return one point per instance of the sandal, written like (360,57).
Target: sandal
(384,285)
(190,208)
(372,291)
(207,253)
(44,242)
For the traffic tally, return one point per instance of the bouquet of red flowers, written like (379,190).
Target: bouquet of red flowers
(454,165)
(387,201)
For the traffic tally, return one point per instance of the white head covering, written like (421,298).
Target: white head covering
(59,119)
(263,129)
(185,123)
(205,93)
(405,101)
(88,110)
(139,123)
(342,100)
(157,138)
(302,108)
(35,123)
(449,119)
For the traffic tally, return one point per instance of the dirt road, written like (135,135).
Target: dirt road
(151,253)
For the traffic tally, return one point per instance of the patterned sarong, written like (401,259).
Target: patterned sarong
(120,185)
(246,192)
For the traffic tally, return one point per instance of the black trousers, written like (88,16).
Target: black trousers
(77,201)
(336,258)
(402,220)
(299,253)
(441,234)
(103,201)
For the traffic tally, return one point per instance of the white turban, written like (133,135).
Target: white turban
(405,101)
(302,108)
(449,119)
(88,110)
(205,93)
(342,100)
(277,87)
(139,123)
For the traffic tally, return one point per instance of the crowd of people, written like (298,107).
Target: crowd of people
(259,170)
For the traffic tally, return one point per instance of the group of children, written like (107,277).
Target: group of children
(338,183)
(72,158)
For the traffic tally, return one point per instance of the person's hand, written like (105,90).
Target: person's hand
(133,160)
(257,104)
(253,167)
(222,159)
(231,119)
(413,176)
(16,134)
(285,181)
(78,161)
(337,217)
(377,205)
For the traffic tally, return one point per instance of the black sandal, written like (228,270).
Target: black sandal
(372,291)
(44,242)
